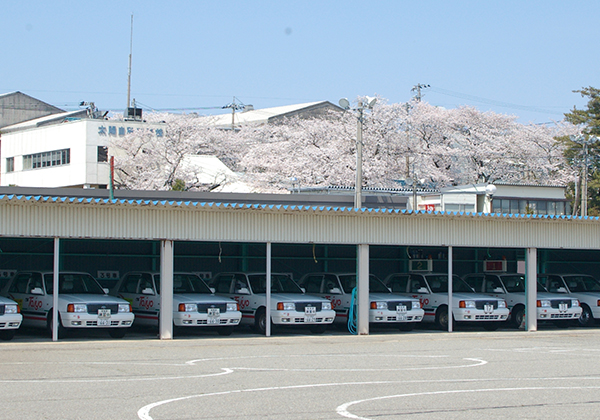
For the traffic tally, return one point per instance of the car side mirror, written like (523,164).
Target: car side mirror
(498,290)
(335,291)
(37,291)
(105,290)
(303,289)
(561,290)
(422,290)
(243,291)
(212,290)
(147,291)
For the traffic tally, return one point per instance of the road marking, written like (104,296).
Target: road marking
(342,410)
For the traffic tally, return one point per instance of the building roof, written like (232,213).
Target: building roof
(267,115)
(47,120)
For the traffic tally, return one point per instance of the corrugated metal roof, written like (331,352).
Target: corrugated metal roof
(275,207)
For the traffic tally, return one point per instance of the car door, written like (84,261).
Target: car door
(27,289)
(139,290)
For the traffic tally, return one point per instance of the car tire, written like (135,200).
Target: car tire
(441,318)
(61,329)
(7,335)
(260,321)
(517,315)
(117,332)
(587,318)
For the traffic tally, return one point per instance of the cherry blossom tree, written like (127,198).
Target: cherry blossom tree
(415,139)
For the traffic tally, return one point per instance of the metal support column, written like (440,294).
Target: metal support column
(362,289)
(268,291)
(166,290)
(450,274)
(56,270)
(531,290)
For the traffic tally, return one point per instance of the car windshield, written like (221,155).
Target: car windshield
(71,283)
(578,284)
(375,285)
(438,283)
(280,283)
(514,284)
(189,283)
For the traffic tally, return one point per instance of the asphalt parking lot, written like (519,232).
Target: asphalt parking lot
(422,374)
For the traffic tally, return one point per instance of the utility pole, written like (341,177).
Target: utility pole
(417,89)
(129,72)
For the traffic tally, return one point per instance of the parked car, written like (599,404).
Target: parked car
(582,287)
(467,306)
(82,303)
(194,304)
(289,304)
(385,307)
(558,308)
(10,318)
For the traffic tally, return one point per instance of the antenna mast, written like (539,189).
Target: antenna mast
(129,72)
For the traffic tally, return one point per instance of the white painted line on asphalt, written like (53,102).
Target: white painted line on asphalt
(342,410)
(226,371)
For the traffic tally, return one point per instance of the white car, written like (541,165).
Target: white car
(467,306)
(194,304)
(582,287)
(289,304)
(82,303)
(385,307)
(560,309)
(10,318)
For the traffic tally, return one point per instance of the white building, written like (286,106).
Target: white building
(72,152)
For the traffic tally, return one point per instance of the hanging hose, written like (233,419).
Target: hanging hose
(352,314)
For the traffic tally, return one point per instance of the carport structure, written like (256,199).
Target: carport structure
(90,215)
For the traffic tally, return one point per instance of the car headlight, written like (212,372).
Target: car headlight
(501,304)
(574,302)
(286,306)
(231,307)
(379,305)
(77,307)
(124,307)
(416,304)
(466,304)
(11,309)
(326,306)
(188,307)
(544,304)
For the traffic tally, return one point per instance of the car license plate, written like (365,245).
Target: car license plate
(103,317)
(488,309)
(562,307)
(214,316)
(310,310)
(401,308)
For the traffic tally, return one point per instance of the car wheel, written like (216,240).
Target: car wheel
(225,331)
(61,328)
(441,318)
(517,315)
(117,332)
(491,326)
(260,321)
(586,319)
(318,329)
(406,326)
(7,335)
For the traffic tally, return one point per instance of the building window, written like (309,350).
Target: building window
(524,206)
(10,164)
(102,154)
(47,159)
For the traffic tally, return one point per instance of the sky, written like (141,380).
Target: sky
(514,57)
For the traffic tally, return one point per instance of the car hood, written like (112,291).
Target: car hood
(388,297)
(473,296)
(86,298)
(6,301)
(296,297)
(199,297)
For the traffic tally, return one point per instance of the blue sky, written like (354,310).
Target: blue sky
(521,57)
